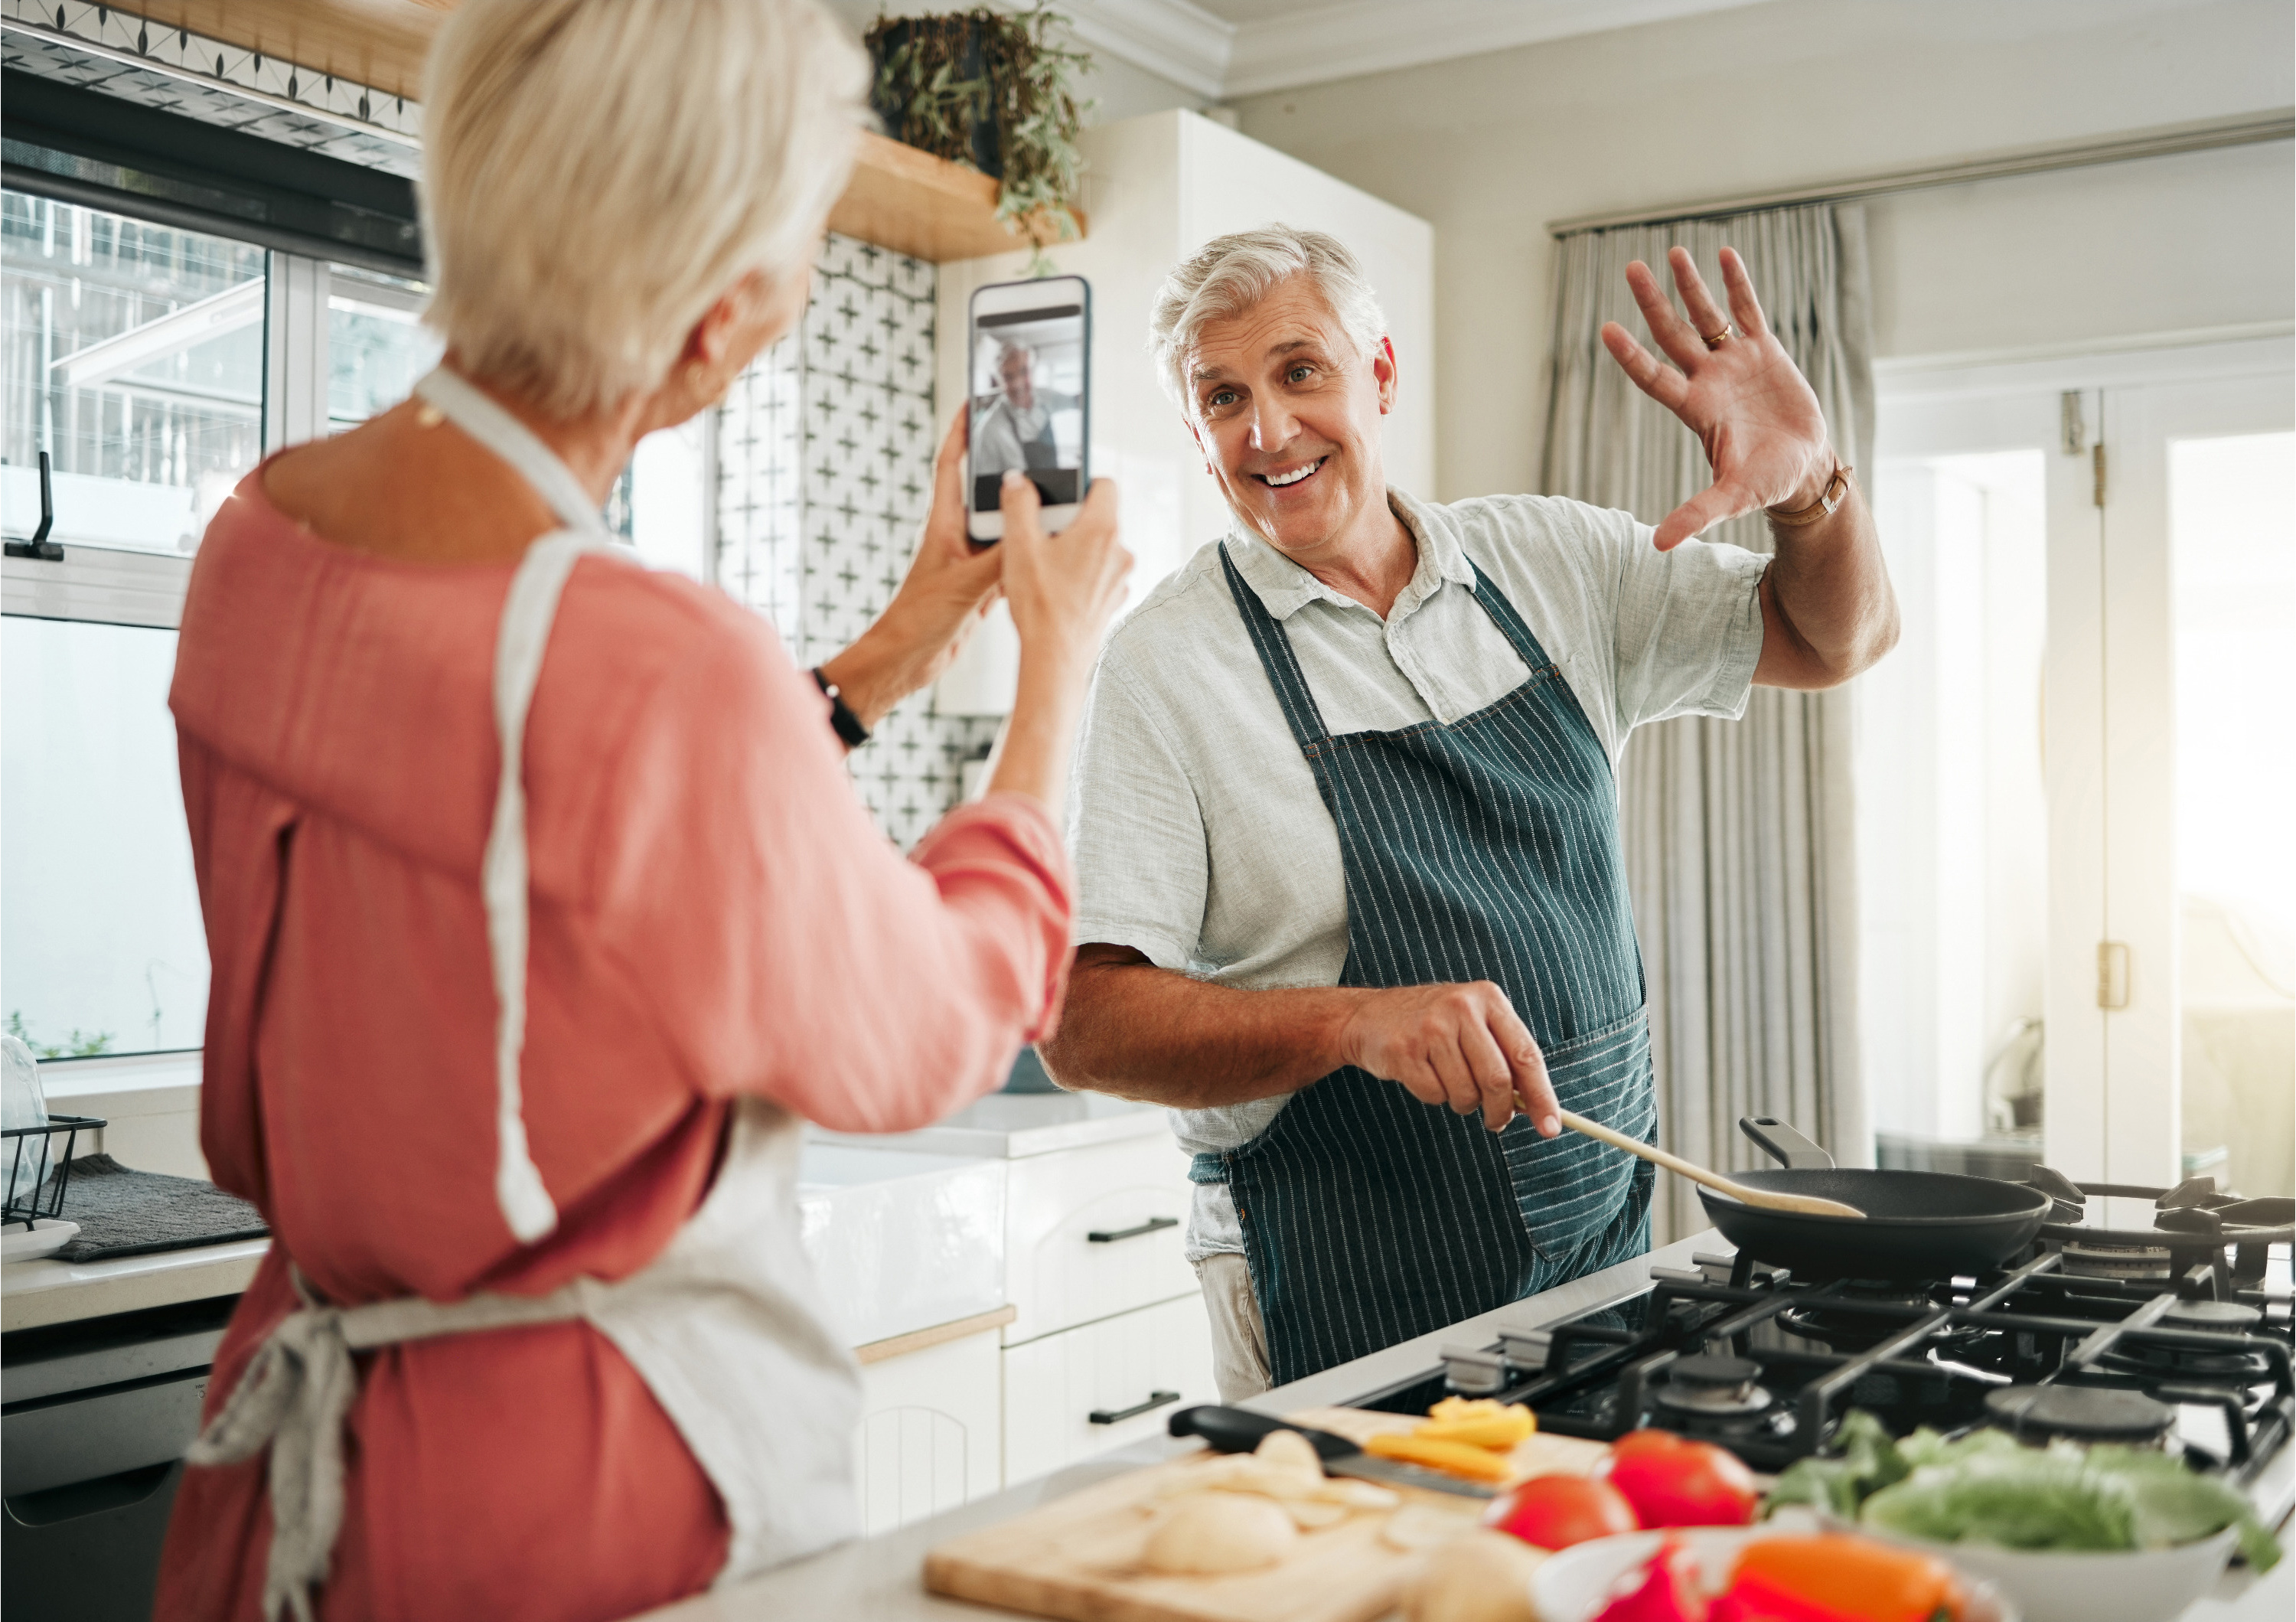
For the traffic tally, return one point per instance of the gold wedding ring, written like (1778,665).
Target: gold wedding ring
(1714,340)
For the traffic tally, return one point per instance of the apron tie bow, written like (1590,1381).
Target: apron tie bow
(294,1397)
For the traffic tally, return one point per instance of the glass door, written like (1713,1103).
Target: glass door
(2075,773)
(2197,974)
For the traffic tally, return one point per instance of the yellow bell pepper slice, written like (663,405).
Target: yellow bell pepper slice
(1502,1429)
(1454,1458)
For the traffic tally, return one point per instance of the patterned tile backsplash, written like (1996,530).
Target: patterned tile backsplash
(824,472)
(175,70)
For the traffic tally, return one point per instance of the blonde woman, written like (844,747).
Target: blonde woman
(540,906)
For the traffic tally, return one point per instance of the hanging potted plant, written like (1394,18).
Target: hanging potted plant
(992,91)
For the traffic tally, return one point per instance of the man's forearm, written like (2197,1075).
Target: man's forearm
(1830,610)
(1137,1031)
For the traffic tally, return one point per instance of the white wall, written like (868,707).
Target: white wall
(1490,148)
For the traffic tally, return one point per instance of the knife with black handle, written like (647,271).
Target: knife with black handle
(1241,1430)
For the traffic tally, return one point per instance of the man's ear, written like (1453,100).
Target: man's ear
(1382,371)
(1196,434)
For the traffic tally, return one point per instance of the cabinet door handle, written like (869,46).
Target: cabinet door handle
(1110,1416)
(1154,1224)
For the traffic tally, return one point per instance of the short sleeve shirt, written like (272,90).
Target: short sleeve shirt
(1200,838)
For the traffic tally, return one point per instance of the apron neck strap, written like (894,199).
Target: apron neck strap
(469,408)
(1277,658)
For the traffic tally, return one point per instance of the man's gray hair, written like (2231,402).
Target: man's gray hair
(1230,274)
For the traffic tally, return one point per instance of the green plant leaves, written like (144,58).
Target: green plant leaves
(939,78)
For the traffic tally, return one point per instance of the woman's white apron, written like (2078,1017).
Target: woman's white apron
(724,1326)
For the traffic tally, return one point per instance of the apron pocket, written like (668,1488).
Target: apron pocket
(1570,1186)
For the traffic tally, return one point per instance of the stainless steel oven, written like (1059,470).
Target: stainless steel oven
(94,1417)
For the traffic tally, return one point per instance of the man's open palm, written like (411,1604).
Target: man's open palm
(1744,398)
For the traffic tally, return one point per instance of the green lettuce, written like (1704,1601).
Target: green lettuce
(1987,1486)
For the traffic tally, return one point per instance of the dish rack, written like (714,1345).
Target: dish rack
(35,1195)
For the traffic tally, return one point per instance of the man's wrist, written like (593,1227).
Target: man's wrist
(1819,497)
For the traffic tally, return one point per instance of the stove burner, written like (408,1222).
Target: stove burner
(2140,1264)
(2218,1317)
(1713,1386)
(2082,1414)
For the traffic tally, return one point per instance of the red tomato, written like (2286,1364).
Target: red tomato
(1555,1511)
(1676,1483)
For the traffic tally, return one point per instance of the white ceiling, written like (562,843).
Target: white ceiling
(1221,49)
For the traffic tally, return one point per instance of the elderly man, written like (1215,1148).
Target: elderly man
(1353,901)
(1012,427)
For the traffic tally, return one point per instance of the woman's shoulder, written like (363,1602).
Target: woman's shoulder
(625,625)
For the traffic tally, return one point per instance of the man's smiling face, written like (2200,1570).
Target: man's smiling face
(1013,372)
(1287,414)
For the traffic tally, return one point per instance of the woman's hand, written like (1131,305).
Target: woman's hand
(1062,589)
(1752,410)
(950,585)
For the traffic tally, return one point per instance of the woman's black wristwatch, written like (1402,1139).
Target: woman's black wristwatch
(847,725)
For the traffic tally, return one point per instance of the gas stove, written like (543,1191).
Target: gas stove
(2173,1332)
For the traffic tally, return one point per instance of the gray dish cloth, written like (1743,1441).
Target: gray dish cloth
(122,1212)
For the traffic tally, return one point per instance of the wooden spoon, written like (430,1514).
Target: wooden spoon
(1808,1204)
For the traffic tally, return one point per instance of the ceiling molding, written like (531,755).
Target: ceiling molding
(1170,38)
(1318,43)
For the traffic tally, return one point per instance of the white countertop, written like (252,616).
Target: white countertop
(35,1293)
(1016,1125)
(879,1579)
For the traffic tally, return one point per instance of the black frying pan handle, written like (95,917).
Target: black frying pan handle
(1783,1144)
(1240,1430)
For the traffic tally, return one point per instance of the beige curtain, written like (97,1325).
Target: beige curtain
(1738,834)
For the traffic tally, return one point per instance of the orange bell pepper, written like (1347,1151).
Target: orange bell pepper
(1850,1576)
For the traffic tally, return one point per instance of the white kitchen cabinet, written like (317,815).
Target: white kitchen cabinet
(1063,1392)
(1091,1233)
(1156,189)
(929,1439)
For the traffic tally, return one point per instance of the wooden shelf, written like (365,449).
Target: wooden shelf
(378,43)
(927,206)
(899,197)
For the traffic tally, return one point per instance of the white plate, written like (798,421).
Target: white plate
(44,1237)
(1575,1585)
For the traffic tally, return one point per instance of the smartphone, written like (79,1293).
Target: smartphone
(1029,369)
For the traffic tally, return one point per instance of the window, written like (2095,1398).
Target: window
(155,364)
(134,356)
(377,349)
(101,949)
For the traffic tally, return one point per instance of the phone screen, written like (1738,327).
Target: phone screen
(1028,401)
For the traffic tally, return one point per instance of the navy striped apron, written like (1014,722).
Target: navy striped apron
(1485,850)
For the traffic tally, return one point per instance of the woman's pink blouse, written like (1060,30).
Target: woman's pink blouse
(713,915)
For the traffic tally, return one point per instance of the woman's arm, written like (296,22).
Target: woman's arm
(787,948)
(949,585)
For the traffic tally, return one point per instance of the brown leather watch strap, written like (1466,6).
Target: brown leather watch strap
(1836,491)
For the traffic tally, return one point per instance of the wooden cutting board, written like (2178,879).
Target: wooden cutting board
(1078,1558)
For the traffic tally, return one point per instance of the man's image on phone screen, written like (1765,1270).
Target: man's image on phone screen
(1028,401)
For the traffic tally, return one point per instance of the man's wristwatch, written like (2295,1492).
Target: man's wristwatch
(842,718)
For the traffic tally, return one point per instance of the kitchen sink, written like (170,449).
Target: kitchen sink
(902,1242)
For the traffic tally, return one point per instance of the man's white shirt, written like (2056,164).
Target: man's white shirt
(1199,836)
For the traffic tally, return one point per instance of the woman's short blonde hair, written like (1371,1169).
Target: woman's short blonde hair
(597,173)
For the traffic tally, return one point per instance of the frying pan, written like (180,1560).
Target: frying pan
(1918,1225)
